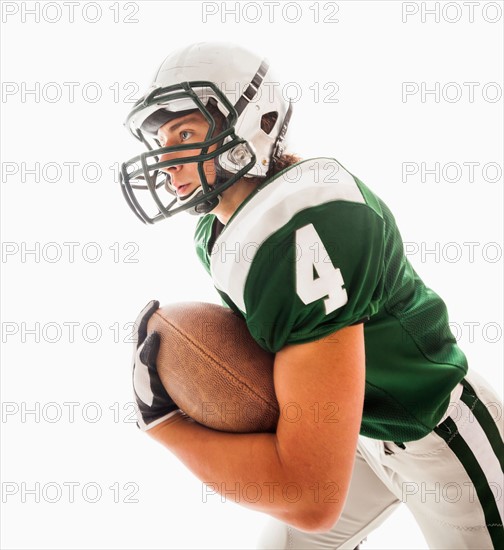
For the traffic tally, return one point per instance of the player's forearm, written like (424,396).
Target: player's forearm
(248,468)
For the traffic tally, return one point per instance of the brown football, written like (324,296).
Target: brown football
(213,369)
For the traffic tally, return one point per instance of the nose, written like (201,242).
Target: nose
(169,169)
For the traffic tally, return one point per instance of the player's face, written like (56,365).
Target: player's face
(191,128)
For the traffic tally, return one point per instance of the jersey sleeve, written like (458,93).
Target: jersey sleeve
(319,273)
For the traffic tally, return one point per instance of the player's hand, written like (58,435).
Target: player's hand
(154,403)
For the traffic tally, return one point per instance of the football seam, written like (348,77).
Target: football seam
(215,362)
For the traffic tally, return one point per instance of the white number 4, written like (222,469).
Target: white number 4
(328,283)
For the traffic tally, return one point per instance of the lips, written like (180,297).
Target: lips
(182,189)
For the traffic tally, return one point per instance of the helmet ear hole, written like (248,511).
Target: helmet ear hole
(268,121)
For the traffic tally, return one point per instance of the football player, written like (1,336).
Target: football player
(321,281)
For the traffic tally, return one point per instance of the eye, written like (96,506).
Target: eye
(185,135)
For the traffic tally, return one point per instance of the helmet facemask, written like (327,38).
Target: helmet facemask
(147,188)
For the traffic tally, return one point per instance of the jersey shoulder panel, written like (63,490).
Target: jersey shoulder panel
(304,185)
(303,257)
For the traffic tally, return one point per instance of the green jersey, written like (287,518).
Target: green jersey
(313,250)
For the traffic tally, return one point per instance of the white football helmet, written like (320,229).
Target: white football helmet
(205,77)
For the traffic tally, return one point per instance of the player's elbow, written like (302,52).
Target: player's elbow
(316,518)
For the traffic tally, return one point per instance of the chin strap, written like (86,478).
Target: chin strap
(201,208)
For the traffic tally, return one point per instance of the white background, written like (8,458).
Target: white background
(372,130)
